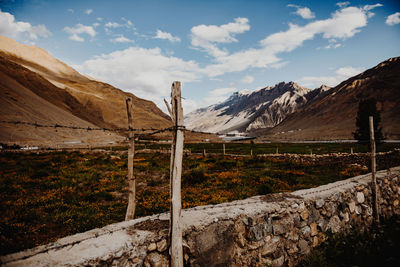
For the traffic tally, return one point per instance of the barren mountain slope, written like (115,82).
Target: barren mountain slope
(332,116)
(21,99)
(102,102)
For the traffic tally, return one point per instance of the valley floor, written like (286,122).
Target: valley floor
(48,195)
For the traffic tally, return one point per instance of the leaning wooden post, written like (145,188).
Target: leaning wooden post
(130,211)
(375,204)
(176,200)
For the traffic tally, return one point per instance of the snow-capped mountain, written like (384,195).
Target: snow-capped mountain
(245,111)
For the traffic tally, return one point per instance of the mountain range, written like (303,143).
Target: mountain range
(37,88)
(248,111)
(288,111)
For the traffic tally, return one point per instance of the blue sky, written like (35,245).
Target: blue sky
(213,47)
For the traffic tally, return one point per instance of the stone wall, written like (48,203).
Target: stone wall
(278,229)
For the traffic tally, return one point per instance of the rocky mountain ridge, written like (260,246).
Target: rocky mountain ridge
(244,112)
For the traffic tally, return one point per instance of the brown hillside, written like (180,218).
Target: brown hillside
(98,102)
(332,116)
(21,100)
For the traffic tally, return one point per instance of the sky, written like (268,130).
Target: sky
(214,47)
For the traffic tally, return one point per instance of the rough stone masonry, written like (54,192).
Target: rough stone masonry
(277,229)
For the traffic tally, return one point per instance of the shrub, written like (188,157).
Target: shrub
(194,176)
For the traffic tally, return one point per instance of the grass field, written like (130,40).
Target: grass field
(50,195)
(271,148)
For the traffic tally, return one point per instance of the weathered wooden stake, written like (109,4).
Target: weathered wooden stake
(351,151)
(375,203)
(204,152)
(130,211)
(277,150)
(223,147)
(176,163)
(251,152)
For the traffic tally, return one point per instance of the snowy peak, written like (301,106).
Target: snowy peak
(245,110)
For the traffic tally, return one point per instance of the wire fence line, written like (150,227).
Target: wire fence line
(39,125)
(106,129)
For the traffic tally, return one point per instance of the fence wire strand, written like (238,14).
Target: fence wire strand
(141,131)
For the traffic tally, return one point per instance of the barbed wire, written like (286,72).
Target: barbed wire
(141,131)
(89,128)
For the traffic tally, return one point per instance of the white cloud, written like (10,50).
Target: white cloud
(112,25)
(340,75)
(222,91)
(343,4)
(303,12)
(247,79)
(332,46)
(393,19)
(147,73)
(214,96)
(370,7)
(88,11)
(367,8)
(166,36)
(188,105)
(70,10)
(343,24)
(128,23)
(121,39)
(205,36)
(278,65)
(75,37)
(96,24)
(79,29)
(19,29)
(217,95)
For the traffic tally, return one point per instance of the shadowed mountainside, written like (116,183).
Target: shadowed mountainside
(332,114)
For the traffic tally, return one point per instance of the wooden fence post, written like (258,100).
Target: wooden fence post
(223,148)
(176,163)
(130,211)
(375,204)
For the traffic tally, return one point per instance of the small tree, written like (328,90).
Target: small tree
(366,108)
